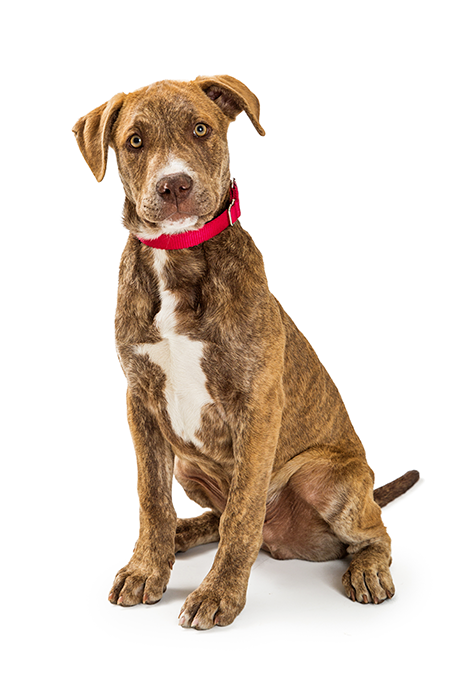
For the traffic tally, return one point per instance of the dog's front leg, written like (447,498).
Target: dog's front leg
(145,577)
(222,595)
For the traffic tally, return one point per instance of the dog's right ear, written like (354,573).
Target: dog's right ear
(93,134)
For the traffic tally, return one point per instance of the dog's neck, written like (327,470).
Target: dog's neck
(188,239)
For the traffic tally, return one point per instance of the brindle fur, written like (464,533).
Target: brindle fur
(276,459)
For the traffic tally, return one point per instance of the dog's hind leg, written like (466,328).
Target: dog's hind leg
(205,491)
(191,532)
(340,488)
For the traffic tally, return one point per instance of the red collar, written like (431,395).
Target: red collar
(188,239)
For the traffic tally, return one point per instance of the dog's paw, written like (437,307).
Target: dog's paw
(140,584)
(212,605)
(368,580)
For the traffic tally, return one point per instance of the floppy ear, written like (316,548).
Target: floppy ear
(93,134)
(232,97)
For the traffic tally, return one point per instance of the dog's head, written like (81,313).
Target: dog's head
(171,147)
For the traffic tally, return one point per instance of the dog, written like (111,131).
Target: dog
(224,392)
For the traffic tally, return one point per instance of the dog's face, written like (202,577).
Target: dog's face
(170,141)
(173,159)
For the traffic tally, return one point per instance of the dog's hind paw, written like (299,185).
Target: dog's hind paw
(368,580)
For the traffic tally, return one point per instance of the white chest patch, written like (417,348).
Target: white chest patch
(180,359)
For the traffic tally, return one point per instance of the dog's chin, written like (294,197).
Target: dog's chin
(170,226)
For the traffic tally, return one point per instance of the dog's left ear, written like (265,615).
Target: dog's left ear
(93,134)
(232,97)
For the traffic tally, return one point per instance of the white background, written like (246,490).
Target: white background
(361,197)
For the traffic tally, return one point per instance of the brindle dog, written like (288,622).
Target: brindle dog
(223,389)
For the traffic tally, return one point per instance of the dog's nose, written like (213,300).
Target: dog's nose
(174,187)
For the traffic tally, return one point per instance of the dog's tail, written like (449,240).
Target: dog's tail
(387,493)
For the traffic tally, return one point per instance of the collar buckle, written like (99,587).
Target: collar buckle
(229,213)
(234,195)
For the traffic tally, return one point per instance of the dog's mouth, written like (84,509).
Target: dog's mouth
(171,220)
(177,222)
(174,223)
(174,217)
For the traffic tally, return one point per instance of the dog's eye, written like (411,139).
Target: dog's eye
(200,130)
(135,141)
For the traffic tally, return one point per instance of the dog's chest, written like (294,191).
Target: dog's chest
(179,357)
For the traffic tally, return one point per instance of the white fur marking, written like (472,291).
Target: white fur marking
(179,226)
(180,359)
(169,227)
(173,166)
